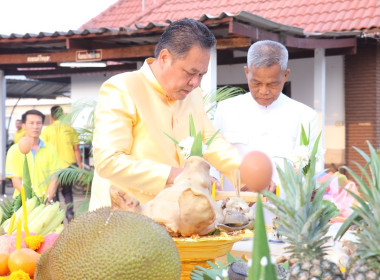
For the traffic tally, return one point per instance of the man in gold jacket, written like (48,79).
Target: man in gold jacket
(136,109)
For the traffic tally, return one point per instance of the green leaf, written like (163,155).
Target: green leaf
(211,99)
(196,149)
(7,208)
(206,277)
(82,207)
(26,181)
(260,248)
(304,140)
(74,175)
(331,207)
(17,202)
(192,126)
(230,258)
(285,265)
(212,138)
(175,141)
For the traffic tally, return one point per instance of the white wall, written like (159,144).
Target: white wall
(302,84)
(231,74)
(86,87)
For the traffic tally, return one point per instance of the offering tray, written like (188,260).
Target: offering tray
(246,196)
(197,250)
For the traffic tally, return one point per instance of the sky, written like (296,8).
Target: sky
(34,16)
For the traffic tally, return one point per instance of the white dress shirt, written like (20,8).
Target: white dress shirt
(274,130)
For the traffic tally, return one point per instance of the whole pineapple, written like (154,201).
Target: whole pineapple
(365,262)
(303,222)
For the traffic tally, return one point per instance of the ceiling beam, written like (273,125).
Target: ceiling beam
(311,43)
(107,54)
(233,43)
(250,31)
(290,41)
(67,71)
(70,55)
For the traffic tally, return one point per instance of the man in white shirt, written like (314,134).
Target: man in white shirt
(265,119)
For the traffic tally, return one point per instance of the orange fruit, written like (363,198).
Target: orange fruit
(4,270)
(24,259)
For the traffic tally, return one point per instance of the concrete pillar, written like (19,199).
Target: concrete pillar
(3,140)
(209,81)
(320,91)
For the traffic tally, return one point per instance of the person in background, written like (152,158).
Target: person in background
(19,133)
(136,109)
(65,139)
(42,159)
(264,118)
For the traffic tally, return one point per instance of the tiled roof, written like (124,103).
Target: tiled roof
(314,16)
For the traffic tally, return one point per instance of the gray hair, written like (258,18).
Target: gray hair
(266,54)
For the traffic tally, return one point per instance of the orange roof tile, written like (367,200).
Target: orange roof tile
(313,16)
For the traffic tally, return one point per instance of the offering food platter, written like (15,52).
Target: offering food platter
(197,250)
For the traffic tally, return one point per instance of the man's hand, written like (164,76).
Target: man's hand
(52,189)
(17,183)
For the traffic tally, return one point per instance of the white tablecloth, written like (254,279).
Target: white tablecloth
(337,254)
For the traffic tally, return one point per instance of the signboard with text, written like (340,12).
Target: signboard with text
(88,55)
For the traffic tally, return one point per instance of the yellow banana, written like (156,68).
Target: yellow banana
(44,218)
(56,221)
(58,229)
(30,206)
(36,211)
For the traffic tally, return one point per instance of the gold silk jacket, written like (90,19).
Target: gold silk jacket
(131,150)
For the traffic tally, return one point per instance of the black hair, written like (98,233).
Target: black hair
(180,36)
(32,112)
(56,112)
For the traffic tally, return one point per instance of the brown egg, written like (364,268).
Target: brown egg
(256,171)
(25,145)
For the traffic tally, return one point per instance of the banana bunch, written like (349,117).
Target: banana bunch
(30,205)
(42,219)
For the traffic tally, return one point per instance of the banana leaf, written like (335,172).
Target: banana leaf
(258,271)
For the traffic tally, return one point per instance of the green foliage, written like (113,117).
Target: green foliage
(74,175)
(302,220)
(211,99)
(8,207)
(258,271)
(197,146)
(366,214)
(82,207)
(305,138)
(215,270)
(78,109)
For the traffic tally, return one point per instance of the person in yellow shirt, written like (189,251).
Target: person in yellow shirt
(65,139)
(19,133)
(42,159)
(136,109)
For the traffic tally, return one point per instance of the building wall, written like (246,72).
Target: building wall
(84,87)
(362,101)
(302,85)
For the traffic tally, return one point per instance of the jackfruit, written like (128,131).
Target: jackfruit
(111,244)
